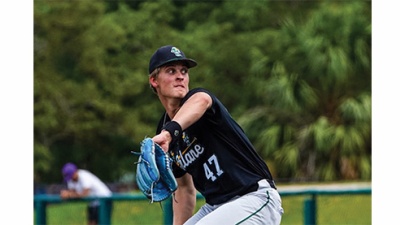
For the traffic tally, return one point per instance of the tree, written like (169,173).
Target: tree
(316,99)
(295,74)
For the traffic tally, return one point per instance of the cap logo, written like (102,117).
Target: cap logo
(176,51)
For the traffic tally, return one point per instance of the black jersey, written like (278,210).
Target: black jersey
(216,152)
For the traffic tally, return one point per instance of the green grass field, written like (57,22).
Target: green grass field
(335,209)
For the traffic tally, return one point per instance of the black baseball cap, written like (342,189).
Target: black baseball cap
(168,54)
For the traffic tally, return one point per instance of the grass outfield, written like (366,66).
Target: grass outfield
(335,209)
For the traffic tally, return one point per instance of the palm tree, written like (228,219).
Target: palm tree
(316,98)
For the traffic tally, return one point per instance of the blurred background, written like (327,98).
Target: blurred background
(296,75)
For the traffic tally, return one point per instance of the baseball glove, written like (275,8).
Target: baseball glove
(154,175)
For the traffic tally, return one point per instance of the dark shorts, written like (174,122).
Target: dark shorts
(93,213)
(94,209)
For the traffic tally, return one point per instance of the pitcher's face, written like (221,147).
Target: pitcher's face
(172,80)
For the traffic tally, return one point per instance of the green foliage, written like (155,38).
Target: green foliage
(296,75)
(320,88)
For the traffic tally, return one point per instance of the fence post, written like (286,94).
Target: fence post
(105,211)
(40,207)
(168,213)
(310,211)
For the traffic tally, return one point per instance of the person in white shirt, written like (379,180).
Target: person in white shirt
(82,183)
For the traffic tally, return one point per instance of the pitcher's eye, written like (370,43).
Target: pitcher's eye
(184,71)
(171,71)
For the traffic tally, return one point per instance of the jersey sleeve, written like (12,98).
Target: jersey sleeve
(196,90)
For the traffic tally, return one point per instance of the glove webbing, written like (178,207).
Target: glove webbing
(144,161)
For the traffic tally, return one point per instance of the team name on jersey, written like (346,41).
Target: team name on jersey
(193,151)
(185,159)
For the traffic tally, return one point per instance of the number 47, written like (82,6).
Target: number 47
(210,174)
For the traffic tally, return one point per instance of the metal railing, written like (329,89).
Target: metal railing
(310,206)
